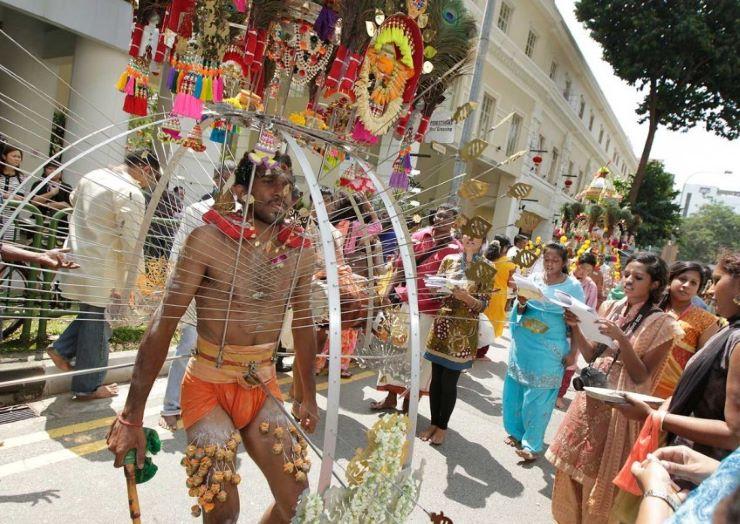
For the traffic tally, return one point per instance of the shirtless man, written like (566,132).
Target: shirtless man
(217,400)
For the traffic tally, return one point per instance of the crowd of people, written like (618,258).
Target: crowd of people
(673,331)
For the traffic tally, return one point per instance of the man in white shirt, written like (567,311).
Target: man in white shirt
(519,242)
(103,228)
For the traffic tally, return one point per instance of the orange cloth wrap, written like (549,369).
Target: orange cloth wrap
(205,386)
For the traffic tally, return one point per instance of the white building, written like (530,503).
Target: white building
(534,70)
(694,196)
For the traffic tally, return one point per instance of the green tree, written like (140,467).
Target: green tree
(656,206)
(685,55)
(715,227)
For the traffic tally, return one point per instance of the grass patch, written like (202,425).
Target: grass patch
(123,338)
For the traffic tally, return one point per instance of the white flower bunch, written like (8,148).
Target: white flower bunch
(378,491)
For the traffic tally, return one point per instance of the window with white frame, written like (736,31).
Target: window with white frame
(581,107)
(601,134)
(553,173)
(514,129)
(553,70)
(591,121)
(531,43)
(608,143)
(579,181)
(487,112)
(567,88)
(504,17)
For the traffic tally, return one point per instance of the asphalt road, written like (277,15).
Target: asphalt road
(55,468)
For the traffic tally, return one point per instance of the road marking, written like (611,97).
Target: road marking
(81,450)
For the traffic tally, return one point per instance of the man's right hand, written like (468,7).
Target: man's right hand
(122,438)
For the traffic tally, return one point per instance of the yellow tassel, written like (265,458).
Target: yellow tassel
(121,84)
(206,89)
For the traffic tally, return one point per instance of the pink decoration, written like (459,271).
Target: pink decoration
(241,5)
(130,86)
(362,135)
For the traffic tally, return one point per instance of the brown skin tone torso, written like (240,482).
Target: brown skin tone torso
(204,272)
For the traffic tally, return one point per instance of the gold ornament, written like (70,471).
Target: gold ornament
(519,190)
(472,189)
(463,111)
(473,149)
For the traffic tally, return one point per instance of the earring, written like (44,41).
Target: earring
(736,300)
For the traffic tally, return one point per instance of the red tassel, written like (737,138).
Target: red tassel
(129,104)
(249,48)
(401,125)
(159,56)
(423,128)
(337,67)
(136,34)
(353,69)
(259,52)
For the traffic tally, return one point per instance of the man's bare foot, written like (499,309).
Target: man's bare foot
(169,422)
(526,455)
(58,360)
(560,403)
(388,403)
(346,373)
(111,390)
(438,438)
(514,443)
(427,434)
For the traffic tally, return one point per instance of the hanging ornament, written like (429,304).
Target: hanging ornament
(134,82)
(537,159)
(194,140)
(356,180)
(170,131)
(264,151)
(472,189)
(401,170)
(519,190)
(389,74)
(218,131)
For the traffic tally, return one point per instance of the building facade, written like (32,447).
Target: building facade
(541,97)
(695,196)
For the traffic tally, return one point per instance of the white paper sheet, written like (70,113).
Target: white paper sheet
(586,315)
(527,288)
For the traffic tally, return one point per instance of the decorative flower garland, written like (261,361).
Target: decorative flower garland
(378,491)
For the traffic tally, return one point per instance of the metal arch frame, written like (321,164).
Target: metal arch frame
(370,275)
(28,196)
(335,314)
(409,266)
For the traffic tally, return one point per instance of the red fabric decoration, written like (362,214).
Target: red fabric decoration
(229,225)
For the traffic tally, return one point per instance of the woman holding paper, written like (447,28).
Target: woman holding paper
(594,440)
(538,354)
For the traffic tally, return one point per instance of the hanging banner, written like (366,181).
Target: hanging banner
(441,127)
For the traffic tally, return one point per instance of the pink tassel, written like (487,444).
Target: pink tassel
(130,86)
(178,104)
(218,89)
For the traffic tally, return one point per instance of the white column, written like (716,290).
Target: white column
(95,103)
(31,132)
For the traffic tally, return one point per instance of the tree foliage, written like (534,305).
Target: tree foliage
(703,235)
(685,55)
(656,206)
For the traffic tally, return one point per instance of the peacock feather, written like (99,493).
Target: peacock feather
(454,31)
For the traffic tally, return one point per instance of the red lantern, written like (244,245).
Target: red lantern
(568,182)
(537,159)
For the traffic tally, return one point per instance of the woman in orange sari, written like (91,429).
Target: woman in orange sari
(594,440)
(698,325)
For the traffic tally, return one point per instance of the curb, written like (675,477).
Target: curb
(34,368)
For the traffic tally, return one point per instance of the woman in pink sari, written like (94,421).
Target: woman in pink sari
(594,440)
